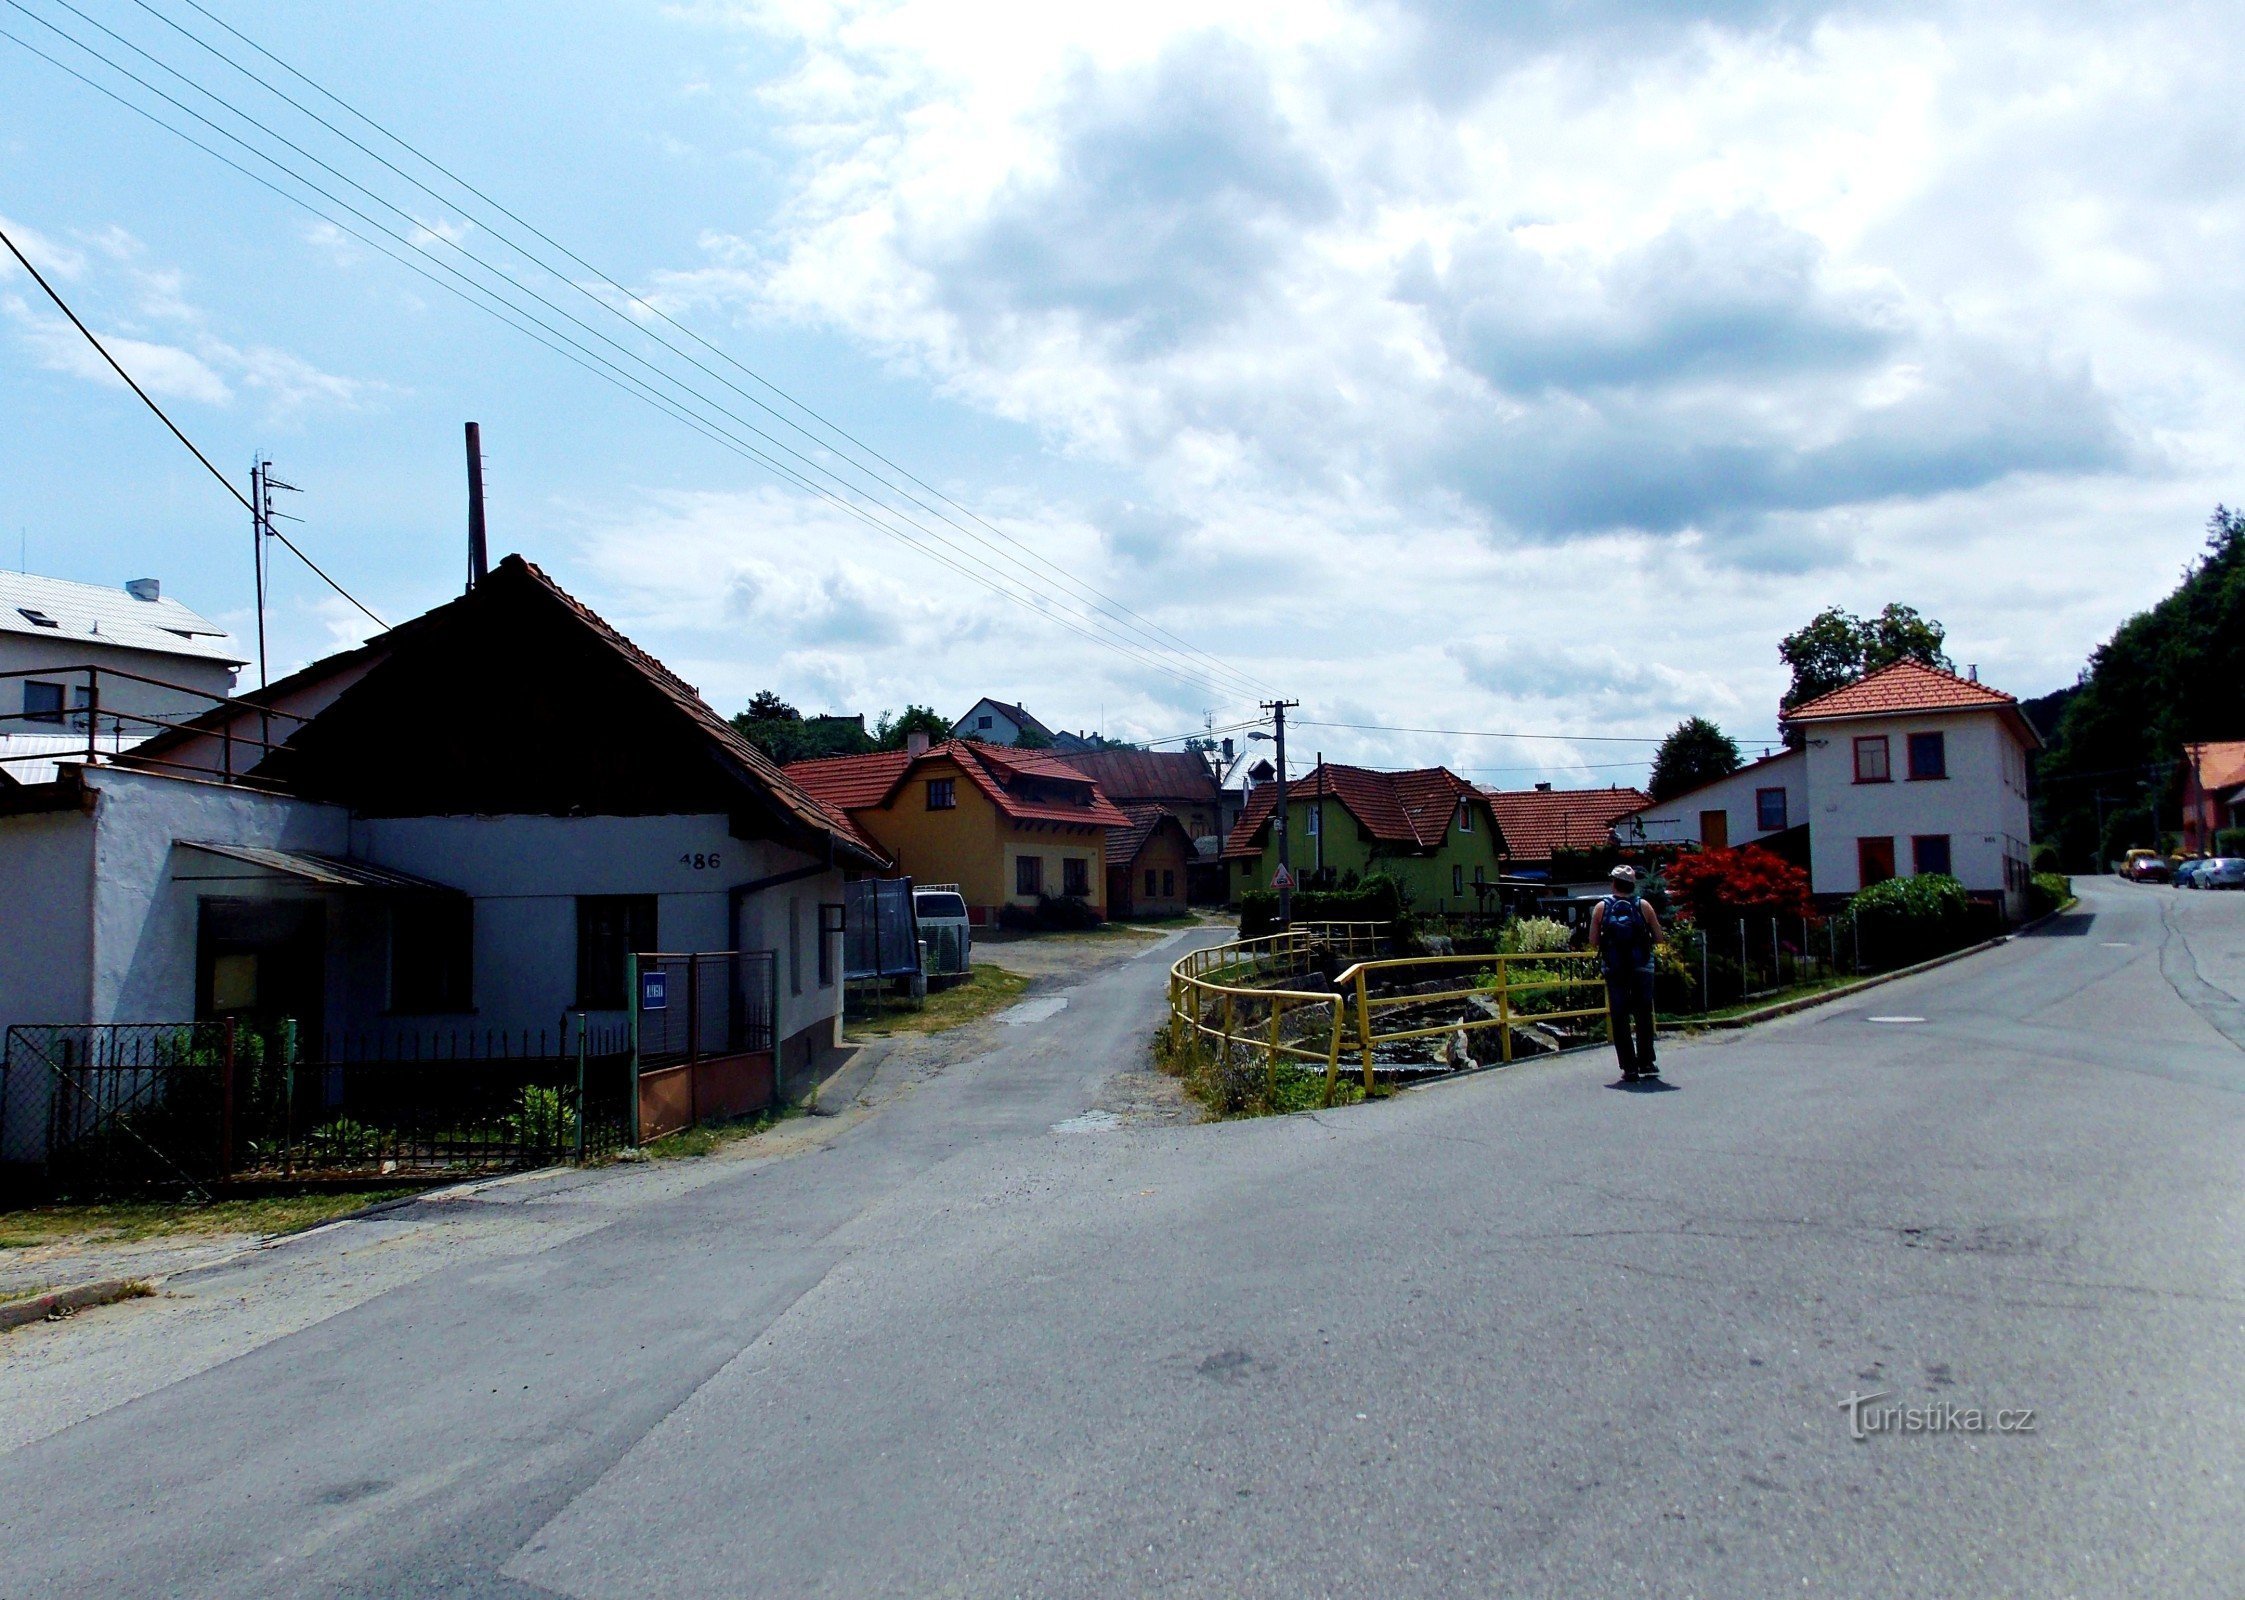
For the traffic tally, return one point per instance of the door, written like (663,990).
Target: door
(1715,829)
(1874,860)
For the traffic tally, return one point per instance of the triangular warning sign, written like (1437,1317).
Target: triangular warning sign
(1282,879)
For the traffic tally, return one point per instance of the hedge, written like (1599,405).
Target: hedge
(1379,898)
(1912,919)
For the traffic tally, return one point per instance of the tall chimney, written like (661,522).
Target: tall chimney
(478,559)
(1227,748)
(915,744)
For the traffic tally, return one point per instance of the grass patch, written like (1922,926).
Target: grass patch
(1776,997)
(1246,1086)
(129,1220)
(988,988)
(707,1138)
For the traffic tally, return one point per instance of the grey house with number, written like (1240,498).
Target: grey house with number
(330,852)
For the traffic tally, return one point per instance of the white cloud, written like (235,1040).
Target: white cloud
(1567,354)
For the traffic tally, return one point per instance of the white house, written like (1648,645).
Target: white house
(1909,769)
(1757,804)
(997,722)
(383,876)
(69,650)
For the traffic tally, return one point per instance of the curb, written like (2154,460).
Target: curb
(63,1302)
(1786,1008)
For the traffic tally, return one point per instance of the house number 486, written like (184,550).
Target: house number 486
(699,861)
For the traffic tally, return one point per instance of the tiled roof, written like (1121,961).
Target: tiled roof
(1018,714)
(105,616)
(1681,795)
(1128,775)
(2220,764)
(1538,821)
(857,783)
(1902,687)
(1123,844)
(1406,808)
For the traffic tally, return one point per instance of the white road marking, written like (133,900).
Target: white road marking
(1894,1019)
(1089,1122)
(2118,944)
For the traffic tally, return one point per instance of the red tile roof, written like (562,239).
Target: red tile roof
(2220,765)
(1538,821)
(1128,775)
(859,783)
(1902,687)
(1408,808)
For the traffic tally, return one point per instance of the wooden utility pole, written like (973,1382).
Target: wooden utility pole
(257,554)
(1278,710)
(477,556)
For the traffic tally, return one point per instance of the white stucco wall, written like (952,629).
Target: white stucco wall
(1679,820)
(1981,805)
(46,888)
(525,873)
(22,652)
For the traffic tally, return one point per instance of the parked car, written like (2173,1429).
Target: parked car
(945,934)
(2223,872)
(2144,866)
(2186,872)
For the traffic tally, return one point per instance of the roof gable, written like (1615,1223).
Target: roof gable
(1410,809)
(1025,785)
(1538,822)
(1125,843)
(1125,776)
(1902,686)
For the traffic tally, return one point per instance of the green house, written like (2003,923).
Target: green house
(1430,830)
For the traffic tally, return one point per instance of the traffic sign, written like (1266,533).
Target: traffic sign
(1282,879)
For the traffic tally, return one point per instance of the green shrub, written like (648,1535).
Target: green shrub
(1378,898)
(2046,859)
(1535,936)
(2230,842)
(1912,919)
(2047,891)
(545,1120)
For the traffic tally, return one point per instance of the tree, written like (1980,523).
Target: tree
(785,734)
(769,707)
(1719,885)
(1695,752)
(1834,648)
(892,729)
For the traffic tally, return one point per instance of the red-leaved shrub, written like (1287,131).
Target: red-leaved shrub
(1749,882)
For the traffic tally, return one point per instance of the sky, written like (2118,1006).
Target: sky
(1521,370)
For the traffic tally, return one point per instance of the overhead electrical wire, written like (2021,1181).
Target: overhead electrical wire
(1142,643)
(192,449)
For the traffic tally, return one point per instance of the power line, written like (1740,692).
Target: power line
(1132,642)
(1487,733)
(116,367)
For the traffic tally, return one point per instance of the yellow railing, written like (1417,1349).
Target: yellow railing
(1280,997)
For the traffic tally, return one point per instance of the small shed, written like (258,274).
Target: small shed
(1147,864)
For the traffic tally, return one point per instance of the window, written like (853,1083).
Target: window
(38,619)
(981,722)
(1870,760)
(1465,816)
(1929,756)
(1929,852)
(1151,880)
(1874,860)
(1169,883)
(1457,880)
(42,702)
(432,954)
(1769,810)
(943,794)
(833,922)
(1317,813)
(1075,877)
(1478,875)
(1715,829)
(1028,875)
(609,928)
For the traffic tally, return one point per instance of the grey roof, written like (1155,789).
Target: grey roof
(112,617)
(28,758)
(327,872)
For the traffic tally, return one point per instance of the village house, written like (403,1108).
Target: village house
(2213,774)
(1911,769)
(475,821)
(1430,830)
(1000,722)
(1149,864)
(1010,827)
(1763,803)
(1180,782)
(1552,835)
(80,660)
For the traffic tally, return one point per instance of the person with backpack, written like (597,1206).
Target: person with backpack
(1623,930)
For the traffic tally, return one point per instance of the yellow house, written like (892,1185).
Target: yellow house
(1008,826)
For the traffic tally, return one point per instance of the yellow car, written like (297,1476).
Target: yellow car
(2145,866)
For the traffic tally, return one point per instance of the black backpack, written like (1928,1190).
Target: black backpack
(1625,943)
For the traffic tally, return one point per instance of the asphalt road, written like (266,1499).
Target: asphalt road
(1521,1333)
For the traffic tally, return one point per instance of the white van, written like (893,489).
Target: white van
(946,937)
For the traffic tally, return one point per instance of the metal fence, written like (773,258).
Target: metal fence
(131,1108)
(703,1003)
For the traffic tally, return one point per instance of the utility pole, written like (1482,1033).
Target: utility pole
(257,506)
(1278,710)
(1321,819)
(477,555)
